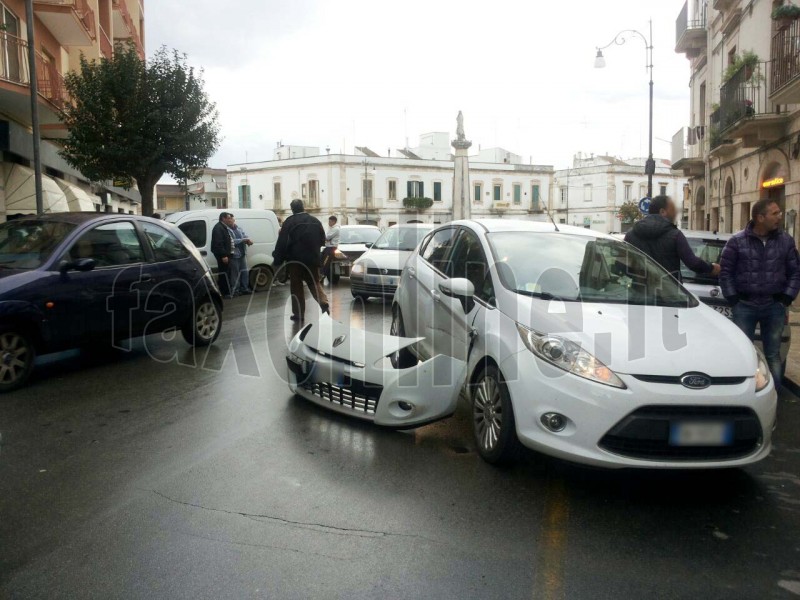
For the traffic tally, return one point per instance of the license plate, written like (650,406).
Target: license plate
(702,433)
(724,310)
(374,279)
(392,281)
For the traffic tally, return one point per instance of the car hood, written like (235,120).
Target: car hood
(646,340)
(388,259)
(352,248)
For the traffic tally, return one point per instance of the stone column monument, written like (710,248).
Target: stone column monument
(461,189)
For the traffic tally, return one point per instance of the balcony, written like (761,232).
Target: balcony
(687,151)
(690,34)
(746,111)
(106,47)
(724,5)
(71,22)
(124,27)
(15,83)
(785,80)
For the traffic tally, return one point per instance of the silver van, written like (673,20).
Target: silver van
(261,226)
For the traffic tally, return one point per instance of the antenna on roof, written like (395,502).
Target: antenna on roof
(552,220)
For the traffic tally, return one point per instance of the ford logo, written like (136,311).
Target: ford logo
(714,292)
(696,381)
(339,341)
(385,271)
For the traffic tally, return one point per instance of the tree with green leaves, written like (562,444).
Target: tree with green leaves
(629,212)
(132,120)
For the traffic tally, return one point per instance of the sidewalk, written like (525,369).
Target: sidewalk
(792,380)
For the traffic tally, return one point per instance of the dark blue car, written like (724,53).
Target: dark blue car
(85,280)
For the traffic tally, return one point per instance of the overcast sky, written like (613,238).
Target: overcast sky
(368,72)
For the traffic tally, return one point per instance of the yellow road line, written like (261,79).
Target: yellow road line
(549,580)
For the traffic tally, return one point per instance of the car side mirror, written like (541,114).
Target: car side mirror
(368,244)
(81,264)
(460,288)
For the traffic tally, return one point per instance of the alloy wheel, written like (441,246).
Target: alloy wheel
(487,413)
(16,356)
(207,320)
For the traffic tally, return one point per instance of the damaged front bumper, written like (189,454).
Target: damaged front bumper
(347,370)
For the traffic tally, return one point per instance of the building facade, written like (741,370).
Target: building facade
(590,193)
(64,30)
(210,190)
(742,141)
(371,189)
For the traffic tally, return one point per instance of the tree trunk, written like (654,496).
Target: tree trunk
(146,187)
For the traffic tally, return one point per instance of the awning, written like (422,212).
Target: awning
(78,199)
(21,193)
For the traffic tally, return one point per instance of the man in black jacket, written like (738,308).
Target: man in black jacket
(657,236)
(222,249)
(300,238)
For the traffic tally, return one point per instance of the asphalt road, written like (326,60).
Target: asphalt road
(163,473)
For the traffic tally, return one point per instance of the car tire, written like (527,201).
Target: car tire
(203,328)
(493,424)
(17,354)
(403,358)
(261,278)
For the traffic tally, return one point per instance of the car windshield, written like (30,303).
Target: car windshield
(401,238)
(577,268)
(709,251)
(29,243)
(359,235)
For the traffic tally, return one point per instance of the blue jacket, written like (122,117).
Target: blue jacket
(759,273)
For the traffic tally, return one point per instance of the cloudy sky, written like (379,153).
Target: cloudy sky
(368,72)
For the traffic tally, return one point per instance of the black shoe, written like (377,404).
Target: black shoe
(326,309)
(296,318)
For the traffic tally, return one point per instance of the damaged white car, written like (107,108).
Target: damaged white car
(349,371)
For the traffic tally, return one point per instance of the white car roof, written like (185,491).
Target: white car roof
(360,227)
(706,235)
(497,225)
(411,226)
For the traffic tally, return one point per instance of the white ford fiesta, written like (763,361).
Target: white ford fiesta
(579,346)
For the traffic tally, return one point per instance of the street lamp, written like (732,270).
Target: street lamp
(600,62)
(366,191)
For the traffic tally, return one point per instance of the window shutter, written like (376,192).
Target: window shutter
(410,189)
(421,189)
(241,194)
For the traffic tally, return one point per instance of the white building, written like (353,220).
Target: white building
(369,188)
(742,139)
(590,192)
(210,190)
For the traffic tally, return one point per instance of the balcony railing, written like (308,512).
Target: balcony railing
(129,24)
(106,47)
(687,145)
(785,57)
(744,95)
(82,9)
(14,68)
(690,33)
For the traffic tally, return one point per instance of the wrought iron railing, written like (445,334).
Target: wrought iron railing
(82,9)
(683,23)
(688,143)
(785,56)
(745,94)
(14,68)
(122,7)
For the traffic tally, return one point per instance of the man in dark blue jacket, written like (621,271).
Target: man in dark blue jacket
(300,238)
(761,277)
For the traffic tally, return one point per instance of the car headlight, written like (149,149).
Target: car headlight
(339,255)
(569,356)
(762,371)
(357,269)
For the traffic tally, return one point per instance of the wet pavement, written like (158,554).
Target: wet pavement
(163,472)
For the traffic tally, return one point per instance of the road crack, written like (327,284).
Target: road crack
(309,525)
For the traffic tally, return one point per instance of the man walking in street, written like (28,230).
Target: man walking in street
(240,243)
(761,278)
(657,236)
(299,241)
(331,243)
(222,248)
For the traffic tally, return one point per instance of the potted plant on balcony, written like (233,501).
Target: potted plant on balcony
(417,204)
(748,61)
(785,14)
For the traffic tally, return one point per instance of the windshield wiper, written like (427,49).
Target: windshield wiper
(546,296)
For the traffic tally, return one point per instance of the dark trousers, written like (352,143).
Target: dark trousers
(771,318)
(300,274)
(226,276)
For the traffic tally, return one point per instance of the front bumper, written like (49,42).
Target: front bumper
(399,398)
(376,285)
(611,427)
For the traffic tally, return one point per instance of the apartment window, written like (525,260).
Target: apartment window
(564,194)
(628,195)
(642,190)
(497,193)
(161,203)
(702,106)
(437,191)
(415,189)
(244,196)
(535,196)
(732,56)
(276,193)
(392,189)
(517,193)
(366,189)
(313,192)
(663,189)
(121,211)
(304,191)
(9,49)
(587,192)
(477,192)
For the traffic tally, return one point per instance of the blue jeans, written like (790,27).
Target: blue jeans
(771,318)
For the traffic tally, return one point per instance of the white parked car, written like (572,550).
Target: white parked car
(580,346)
(354,240)
(378,271)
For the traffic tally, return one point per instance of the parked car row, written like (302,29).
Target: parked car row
(566,341)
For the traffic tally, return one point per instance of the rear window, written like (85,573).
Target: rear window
(709,251)
(196,231)
(358,235)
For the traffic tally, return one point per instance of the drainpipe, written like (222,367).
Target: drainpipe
(37,157)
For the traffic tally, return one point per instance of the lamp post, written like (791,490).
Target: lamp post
(366,191)
(600,62)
